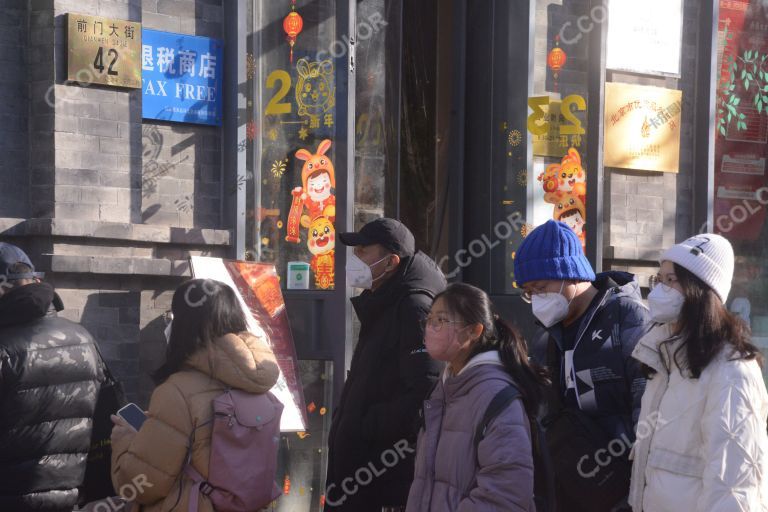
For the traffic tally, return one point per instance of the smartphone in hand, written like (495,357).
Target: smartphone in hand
(133,414)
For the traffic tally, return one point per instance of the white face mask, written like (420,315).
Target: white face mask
(665,303)
(550,308)
(359,273)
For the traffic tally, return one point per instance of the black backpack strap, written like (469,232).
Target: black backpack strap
(498,403)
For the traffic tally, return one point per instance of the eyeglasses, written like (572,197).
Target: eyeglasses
(527,296)
(657,280)
(436,324)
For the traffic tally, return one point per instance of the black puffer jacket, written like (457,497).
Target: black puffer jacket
(49,379)
(391,374)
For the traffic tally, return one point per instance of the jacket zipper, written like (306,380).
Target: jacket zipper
(578,340)
(437,445)
(657,406)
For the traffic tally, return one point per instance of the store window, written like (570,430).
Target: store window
(292,143)
(542,167)
(376,110)
(741,149)
(292,140)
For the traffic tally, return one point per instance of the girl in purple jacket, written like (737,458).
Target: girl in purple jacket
(484,355)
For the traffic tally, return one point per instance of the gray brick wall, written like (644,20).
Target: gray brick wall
(14,118)
(181,184)
(650,211)
(114,187)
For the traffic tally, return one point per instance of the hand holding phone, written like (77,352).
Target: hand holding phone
(133,414)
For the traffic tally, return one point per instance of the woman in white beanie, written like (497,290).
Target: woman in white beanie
(701,439)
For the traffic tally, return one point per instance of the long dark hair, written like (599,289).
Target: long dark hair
(203,310)
(706,326)
(474,306)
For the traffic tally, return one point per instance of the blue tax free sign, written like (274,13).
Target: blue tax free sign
(181,77)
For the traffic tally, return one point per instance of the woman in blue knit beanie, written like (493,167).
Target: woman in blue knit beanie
(589,325)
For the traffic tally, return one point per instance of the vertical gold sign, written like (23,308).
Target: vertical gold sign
(104,51)
(642,127)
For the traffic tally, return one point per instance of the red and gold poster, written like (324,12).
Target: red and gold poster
(258,289)
(741,181)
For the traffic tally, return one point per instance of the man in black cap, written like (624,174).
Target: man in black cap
(374,428)
(50,372)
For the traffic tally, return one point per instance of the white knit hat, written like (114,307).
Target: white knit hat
(709,257)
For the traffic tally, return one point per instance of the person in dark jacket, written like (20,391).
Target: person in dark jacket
(373,433)
(49,380)
(589,327)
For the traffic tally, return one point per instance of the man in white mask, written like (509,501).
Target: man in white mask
(391,372)
(589,327)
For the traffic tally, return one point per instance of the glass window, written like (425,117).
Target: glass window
(376,101)
(303,456)
(741,149)
(552,183)
(291,140)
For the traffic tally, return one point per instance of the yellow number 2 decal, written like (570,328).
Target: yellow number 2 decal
(573,125)
(275,107)
(539,115)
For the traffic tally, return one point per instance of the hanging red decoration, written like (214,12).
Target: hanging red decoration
(293,24)
(556,59)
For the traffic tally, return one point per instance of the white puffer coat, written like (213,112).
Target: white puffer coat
(701,443)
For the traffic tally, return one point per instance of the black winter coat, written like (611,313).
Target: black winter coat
(49,379)
(376,422)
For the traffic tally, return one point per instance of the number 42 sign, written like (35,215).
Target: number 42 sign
(104,51)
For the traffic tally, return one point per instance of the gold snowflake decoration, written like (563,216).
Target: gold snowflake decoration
(250,65)
(515,138)
(272,134)
(522,177)
(303,133)
(278,168)
(526,229)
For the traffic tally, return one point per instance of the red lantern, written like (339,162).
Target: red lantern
(556,59)
(293,24)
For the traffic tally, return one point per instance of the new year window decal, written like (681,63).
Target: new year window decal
(292,219)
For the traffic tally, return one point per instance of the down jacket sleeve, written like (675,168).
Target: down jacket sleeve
(733,436)
(505,479)
(155,454)
(386,422)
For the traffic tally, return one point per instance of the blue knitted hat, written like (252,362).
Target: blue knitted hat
(552,251)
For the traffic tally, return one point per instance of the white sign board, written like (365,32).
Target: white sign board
(645,37)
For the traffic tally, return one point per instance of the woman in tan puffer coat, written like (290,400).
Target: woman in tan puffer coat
(209,351)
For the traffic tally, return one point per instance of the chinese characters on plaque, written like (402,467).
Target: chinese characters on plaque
(103,51)
(182,77)
(642,127)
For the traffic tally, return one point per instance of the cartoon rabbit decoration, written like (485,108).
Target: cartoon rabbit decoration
(316,195)
(565,187)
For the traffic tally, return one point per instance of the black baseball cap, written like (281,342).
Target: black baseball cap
(11,255)
(390,233)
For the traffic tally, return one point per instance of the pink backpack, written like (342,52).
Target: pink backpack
(244,445)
